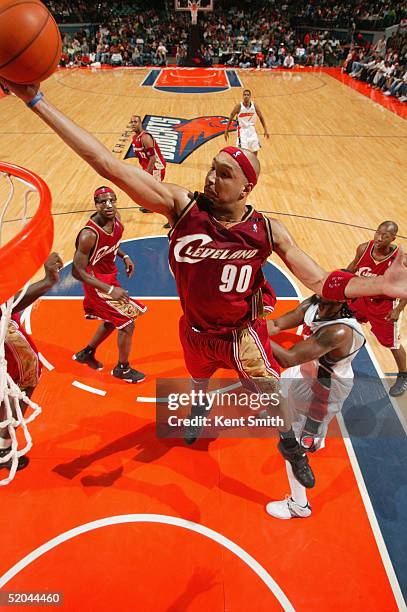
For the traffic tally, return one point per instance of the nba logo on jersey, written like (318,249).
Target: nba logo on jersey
(178,138)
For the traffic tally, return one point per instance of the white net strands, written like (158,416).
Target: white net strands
(13,401)
(193,7)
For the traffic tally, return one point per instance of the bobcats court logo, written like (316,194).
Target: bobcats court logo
(178,138)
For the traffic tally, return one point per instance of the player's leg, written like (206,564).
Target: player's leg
(241,140)
(293,506)
(253,359)
(253,143)
(200,366)
(400,385)
(123,370)
(5,440)
(119,315)
(87,354)
(388,334)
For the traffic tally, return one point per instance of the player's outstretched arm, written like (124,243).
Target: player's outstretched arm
(168,200)
(314,347)
(289,320)
(301,265)
(393,283)
(52,267)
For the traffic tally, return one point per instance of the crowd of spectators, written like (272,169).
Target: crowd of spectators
(383,66)
(227,38)
(363,14)
(366,14)
(131,37)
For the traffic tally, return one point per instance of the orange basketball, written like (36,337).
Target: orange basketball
(30,43)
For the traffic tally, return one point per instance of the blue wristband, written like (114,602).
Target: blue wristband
(36,99)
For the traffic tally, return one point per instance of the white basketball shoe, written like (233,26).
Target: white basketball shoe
(287,508)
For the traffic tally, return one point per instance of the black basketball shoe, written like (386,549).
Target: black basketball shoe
(88,358)
(128,374)
(299,463)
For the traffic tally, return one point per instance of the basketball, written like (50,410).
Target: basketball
(30,43)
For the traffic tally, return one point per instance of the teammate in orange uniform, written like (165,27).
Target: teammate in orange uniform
(97,245)
(383,313)
(247,114)
(21,353)
(148,153)
(226,224)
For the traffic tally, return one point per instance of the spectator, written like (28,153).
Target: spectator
(289,61)
(259,60)
(300,55)
(116,59)
(161,55)
(245,60)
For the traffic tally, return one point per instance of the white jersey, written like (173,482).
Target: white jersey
(247,116)
(334,378)
(341,368)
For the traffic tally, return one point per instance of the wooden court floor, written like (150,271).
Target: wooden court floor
(333,169)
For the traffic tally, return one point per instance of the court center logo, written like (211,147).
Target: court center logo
(178,138)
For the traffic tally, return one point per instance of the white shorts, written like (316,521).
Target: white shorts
(297,386)
(247,139)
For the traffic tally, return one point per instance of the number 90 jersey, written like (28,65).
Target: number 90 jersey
(218,270)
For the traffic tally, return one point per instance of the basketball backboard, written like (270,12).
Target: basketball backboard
(185,5)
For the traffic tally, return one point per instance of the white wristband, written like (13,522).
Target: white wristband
(126,257)
(110,290)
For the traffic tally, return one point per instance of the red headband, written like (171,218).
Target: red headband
(101,190)
(243,162)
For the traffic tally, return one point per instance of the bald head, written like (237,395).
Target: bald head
(389,226)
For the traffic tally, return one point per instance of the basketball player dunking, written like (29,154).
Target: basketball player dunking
(220,233)
(247,113)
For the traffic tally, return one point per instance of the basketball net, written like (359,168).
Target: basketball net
(193,7)
(11,414)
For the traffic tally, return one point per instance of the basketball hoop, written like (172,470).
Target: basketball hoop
(20,258)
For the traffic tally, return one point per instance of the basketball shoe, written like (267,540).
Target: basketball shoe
(400,385)
(299,463)
(87,357)
(287,508)
(128,374)
(192,432)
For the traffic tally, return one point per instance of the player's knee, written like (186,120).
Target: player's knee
(129,329)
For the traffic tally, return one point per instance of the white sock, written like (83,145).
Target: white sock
(5,443)
(298,492)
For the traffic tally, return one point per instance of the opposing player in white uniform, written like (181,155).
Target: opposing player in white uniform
(318,380)
(247,113)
